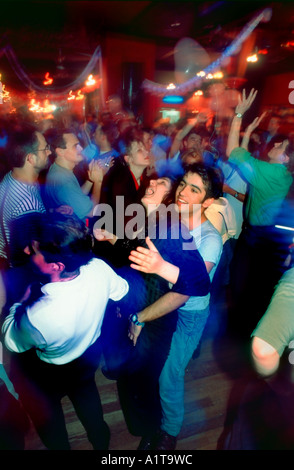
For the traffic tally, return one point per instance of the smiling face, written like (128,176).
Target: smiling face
(191,199)
(190,191)
(156,191)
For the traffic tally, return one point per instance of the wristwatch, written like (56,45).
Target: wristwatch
(134,319)
(236,194)
(239,115)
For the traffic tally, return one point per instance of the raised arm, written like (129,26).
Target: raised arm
(234,134)
(181,134)
(247,134)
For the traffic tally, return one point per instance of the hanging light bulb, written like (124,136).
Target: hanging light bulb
(252,58)
(90,81)
(48,80)
(71,96)
(79,96)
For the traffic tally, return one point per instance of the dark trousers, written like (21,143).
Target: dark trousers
(256,267)
(137,369)
(14,422)
(138,387)
(259,415)
(41,386)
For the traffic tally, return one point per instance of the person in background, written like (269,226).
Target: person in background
(266,137)
(260,411)
(259,248)
(21,207)
(61,184)
(126,177)
(103,144)
(20,193)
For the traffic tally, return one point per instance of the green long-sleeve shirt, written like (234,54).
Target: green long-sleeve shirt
(268,185)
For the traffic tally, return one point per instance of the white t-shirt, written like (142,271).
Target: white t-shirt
(63,323)
(222,217)
(235,181)
(210,246)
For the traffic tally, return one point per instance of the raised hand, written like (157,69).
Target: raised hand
(64,209)
(255,123)
(95,172)
(103,235)
(245,103)
(147,260)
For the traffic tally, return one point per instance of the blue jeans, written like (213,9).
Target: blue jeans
(185,339)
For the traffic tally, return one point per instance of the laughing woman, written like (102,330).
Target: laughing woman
(137,364)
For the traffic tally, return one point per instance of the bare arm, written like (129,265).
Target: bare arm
(234,134)
(149,260)
(265,357)
(227,189)
(167,303)
(247,134)
(177,142)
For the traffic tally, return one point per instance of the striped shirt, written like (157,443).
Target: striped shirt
(16,199)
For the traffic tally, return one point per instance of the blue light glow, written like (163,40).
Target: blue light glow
(173,99)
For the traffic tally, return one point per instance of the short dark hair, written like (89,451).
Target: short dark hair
(110,130)
(289,151)
(55,139)
(21,142)
(212,178)
(67,240)
(200,131)
(134,134)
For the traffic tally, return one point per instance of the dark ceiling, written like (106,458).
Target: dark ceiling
(62,35)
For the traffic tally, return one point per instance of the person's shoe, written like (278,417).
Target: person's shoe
(146,443)
(165,441)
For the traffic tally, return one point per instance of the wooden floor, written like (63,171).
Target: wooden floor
(208,382)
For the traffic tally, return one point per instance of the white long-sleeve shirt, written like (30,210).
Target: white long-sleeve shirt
(63,323)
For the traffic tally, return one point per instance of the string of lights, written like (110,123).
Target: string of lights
(54,90)
(192,83)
